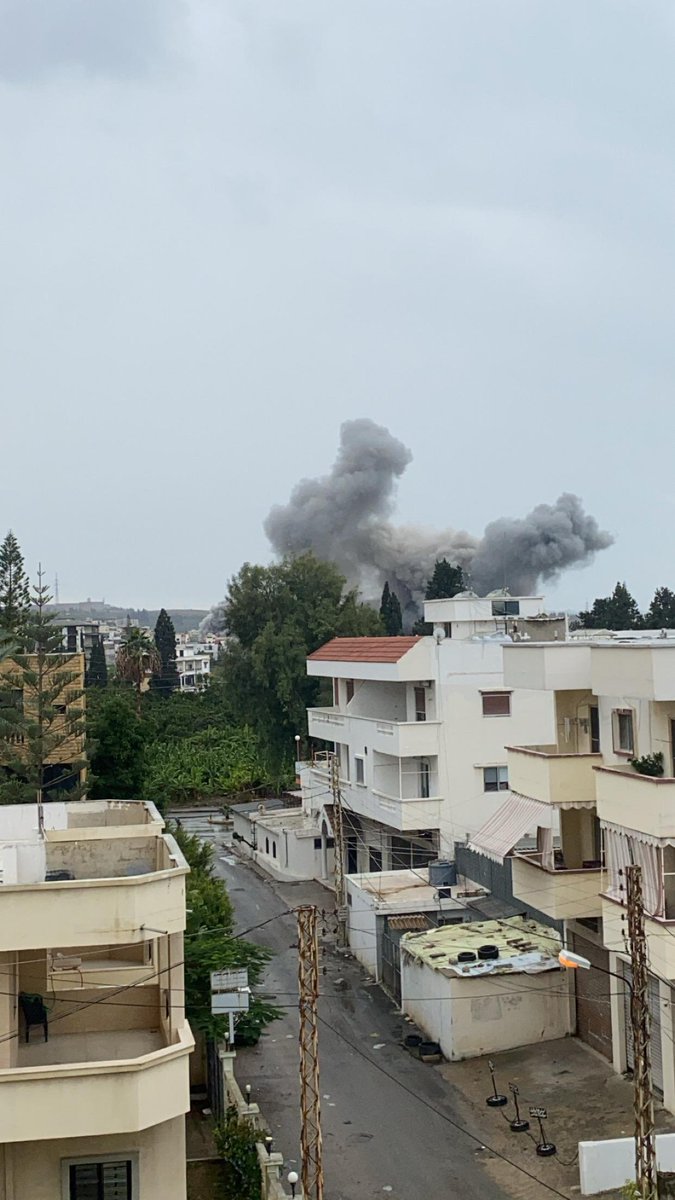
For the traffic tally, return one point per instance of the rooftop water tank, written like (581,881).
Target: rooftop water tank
(442,873)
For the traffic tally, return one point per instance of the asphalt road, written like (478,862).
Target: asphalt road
(379,1140)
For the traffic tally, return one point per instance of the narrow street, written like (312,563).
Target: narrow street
(378,1138)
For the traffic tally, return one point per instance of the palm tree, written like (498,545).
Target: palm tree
(137,657)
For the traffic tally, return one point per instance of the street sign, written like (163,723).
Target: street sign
(539,1113)
(224,1002)
(229,981)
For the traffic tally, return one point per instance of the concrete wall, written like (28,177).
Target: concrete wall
(103,858)
(470,1017)
(34,1171)
(609,1164)
(362,927)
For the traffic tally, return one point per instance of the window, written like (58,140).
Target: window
(267,845)
(360,769)
(274,849)
(336,693)
(100,1180)
(424,779)
(350,690)
(506,608)
(420,704)
(330,843)
(496,704)
(622,725)
(495,779)
(374,859)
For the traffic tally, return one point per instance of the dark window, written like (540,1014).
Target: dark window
(424,780)
(274,849)
(330,843)
(506,608)
(623,731)
(352,856)
(496,704)
(374,860)
(350,690)
(420,704)
(267,845)
(336,693)
(595,729)
(100,1181)
(495,779)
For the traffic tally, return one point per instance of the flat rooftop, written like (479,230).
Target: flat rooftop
(523,946)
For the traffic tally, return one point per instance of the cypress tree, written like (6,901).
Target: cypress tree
(447,580)
(390,612)
(97,671)
(165,680)
(14,588)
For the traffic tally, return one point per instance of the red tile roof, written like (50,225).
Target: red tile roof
(364,649)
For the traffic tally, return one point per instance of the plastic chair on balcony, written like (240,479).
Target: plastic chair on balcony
(34,1012)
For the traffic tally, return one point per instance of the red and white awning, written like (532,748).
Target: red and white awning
(516,817)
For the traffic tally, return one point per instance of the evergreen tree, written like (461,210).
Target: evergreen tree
(97,671)
(447,580)
(137,658)
(118,739)
(41,712)
(14,587)
(165,678)
(618,611)
(661,611)
(390,612)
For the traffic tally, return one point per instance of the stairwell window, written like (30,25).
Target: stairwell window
(350,690)
(495,779)
(496,704)
(360,770)
(622,731)
(111,1180)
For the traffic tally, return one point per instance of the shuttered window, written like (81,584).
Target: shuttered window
(101,1180)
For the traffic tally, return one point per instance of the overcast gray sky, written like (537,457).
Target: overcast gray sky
(228,225)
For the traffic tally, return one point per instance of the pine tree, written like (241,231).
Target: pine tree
(447,580)
(97,671)
(41,713)
(165,679)
(14,588)
(618,611)
(661,611)
(390,612)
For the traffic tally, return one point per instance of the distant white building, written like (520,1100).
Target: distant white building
(193,664)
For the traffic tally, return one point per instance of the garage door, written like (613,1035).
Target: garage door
(592,997)
(654,1029)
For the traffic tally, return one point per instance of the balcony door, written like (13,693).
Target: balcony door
(420,704)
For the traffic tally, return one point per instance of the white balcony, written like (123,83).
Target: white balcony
(401,739)
(94,1084)
(404,814)
(543,774)
(636,801)
(563,895)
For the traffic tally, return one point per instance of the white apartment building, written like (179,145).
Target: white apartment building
(94,1045)
(593,813)
(420,726)
(193,664)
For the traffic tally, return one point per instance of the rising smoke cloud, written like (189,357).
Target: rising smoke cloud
(344,518)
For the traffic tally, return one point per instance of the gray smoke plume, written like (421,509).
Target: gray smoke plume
(343,518)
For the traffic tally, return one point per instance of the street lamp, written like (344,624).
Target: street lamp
(293,1181)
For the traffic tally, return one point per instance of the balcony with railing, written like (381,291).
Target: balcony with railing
(552,777)
(402,739)
(636,801)
(564,880)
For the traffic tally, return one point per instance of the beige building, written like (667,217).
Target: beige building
(64,735)
(94,1045)
(581,810)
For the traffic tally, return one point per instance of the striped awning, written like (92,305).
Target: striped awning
(516,817)
(409,922)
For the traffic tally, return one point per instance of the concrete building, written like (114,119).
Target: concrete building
(591,811)
(64,739)
(473,1005)
(193,664)
(420,727)
(91,948)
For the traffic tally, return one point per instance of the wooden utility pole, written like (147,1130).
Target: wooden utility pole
(310,1096)
(643,1101)
(339,852)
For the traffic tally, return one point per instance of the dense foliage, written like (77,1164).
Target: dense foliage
(215,762)
(165,676)
(618,611)
(210,945)
(446,581)
(275,616)
(390,612)
(97,670)
(235,1139)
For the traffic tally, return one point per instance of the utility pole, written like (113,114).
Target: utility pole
(643,1101)
(339,852)
(310,1096)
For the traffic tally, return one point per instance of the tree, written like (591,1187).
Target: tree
(118,745)
(661,611)
(14,587)
(97,671)
(618,611)
(137,658)
(275,616)
(165,679)
(215,762)
(447,580)
(390,612)
(41,712)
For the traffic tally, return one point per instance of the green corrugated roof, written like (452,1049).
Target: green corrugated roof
(515,938)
